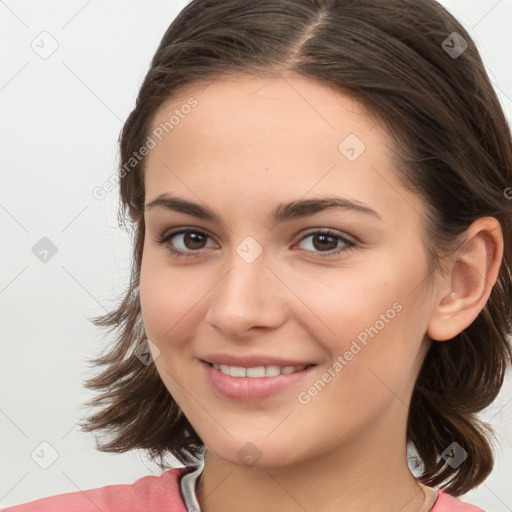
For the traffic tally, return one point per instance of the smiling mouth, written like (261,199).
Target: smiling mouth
(258,371)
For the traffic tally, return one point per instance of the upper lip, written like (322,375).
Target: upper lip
(252,360)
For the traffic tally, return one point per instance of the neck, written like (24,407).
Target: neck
(367,473)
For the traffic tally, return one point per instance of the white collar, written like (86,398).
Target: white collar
(188,489)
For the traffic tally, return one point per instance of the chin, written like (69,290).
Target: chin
(253,452)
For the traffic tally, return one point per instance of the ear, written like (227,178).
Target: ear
(465,288)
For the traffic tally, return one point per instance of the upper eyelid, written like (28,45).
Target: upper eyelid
(183,230)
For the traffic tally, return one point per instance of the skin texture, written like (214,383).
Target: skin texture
(249,144)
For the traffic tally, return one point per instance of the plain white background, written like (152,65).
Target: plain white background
(61,118)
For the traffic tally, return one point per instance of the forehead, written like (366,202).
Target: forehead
(279,136)
(250,109)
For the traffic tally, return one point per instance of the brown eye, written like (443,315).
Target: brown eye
(184,242)
(194,240)
(322,241)
(326,243)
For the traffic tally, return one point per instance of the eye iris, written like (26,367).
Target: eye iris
(323,236)
(193,238)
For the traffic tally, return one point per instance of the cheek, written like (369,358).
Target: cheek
(170,301)
(153,302)
(373,317)
(158,298)
(166,316)
(351,301)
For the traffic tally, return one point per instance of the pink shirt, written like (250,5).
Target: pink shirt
(160,494)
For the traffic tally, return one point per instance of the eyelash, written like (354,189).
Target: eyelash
(349,244)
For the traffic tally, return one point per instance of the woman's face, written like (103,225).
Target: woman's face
(262,283)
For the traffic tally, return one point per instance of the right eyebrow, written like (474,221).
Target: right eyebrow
(180,205)
(281,213)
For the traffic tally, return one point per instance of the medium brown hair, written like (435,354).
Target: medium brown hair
(453,148)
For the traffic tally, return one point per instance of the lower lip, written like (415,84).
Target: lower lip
(251,389)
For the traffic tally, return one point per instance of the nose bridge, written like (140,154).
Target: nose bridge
(247,281)
(248,293)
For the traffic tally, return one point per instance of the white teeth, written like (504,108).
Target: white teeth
(237,371)
(257,371)
(272,371)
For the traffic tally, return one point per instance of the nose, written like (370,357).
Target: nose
(250,295)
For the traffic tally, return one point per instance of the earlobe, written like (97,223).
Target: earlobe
(465,290)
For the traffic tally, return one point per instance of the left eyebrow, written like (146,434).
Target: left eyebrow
(281,213)
(307,207)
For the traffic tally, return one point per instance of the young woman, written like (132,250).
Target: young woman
(320,192)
